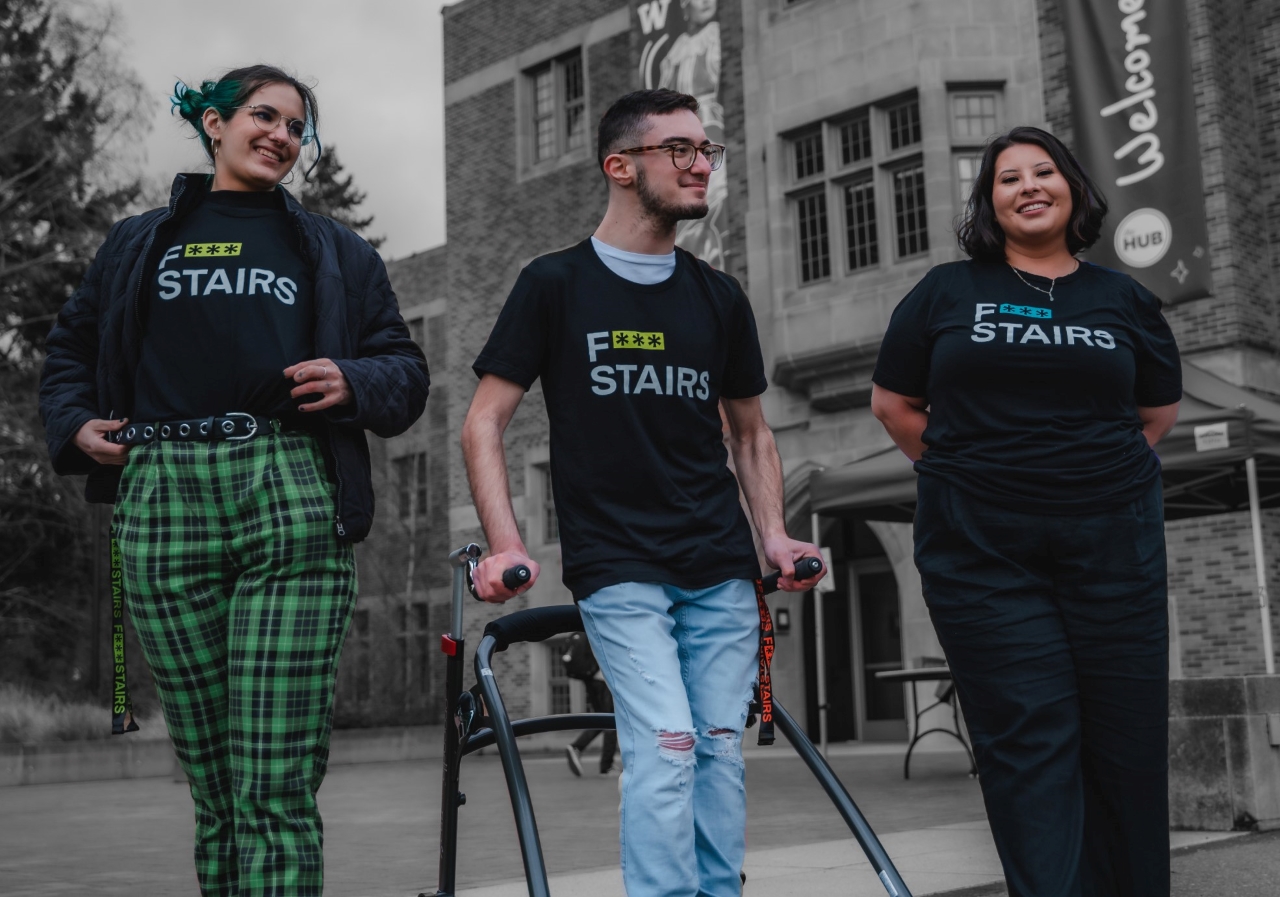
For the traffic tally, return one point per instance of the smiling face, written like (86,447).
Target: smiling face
(698,12)
(248,157)
(666,193)
(1032,199)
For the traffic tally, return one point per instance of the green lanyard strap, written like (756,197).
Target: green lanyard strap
(121,704)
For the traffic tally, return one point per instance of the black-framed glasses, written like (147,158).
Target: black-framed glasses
(683,155)
(267,118)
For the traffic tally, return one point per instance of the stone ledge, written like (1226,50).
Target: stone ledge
(1224,755)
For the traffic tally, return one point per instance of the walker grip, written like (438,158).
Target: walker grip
(806,568)
(516,577)
(512,578)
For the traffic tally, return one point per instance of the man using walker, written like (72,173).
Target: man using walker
(640,347)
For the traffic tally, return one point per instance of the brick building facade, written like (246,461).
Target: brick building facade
(852,126)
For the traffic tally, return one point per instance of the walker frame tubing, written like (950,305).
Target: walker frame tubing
(504,731)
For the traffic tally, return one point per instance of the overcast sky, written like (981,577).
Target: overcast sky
(378,75)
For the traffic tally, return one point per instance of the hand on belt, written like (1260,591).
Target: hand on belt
(234,426)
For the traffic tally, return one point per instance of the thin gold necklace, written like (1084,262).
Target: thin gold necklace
(1052,281)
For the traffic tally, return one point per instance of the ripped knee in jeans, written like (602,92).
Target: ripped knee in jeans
(726,742)
(676,746)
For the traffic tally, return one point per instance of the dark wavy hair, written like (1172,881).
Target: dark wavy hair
(231,90)
(980,234)
(628,118)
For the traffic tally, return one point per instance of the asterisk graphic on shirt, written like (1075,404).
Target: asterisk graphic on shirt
(638,339)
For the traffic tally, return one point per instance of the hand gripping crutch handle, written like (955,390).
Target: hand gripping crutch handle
(805,569)
(512,578)
(515,577)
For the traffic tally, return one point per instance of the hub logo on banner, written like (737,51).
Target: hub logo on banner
(1134,117)
(680,49)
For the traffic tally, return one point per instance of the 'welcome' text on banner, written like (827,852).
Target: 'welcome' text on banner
(1135,130)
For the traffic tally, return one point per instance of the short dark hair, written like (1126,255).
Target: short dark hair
(230,91)
(628,118)
(980,234)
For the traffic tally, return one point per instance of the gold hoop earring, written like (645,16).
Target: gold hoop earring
(216,144)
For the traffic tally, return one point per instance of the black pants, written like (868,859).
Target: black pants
(1056,631)
(599,700)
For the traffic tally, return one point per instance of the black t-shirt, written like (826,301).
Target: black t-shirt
(1033,403)
(231,306)
(632,375)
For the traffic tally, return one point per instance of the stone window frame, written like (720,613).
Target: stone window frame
(876,169)
(360,650)
(549,524)
(414,498)
(567,151)
(968,147)
(560,690)
(920,210)
(414,641)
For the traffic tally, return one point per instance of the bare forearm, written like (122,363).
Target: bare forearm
(904,418)
(486,462)
(1157,421)
(906,429)
(760,474)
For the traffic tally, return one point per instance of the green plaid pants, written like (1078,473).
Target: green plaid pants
(241,596)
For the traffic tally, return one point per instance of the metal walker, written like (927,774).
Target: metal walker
(468,730)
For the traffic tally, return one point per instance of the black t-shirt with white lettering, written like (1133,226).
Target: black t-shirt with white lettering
(230,307)
(1033,404)
(632,375)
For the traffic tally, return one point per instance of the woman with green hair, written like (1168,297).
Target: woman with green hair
(213,376)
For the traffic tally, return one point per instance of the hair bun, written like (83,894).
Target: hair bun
(188,102)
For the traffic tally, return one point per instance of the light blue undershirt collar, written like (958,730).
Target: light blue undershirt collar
(637,267)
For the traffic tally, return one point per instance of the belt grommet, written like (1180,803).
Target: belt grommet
(204,429)
(184,429)
(129,434)
(148,432)
(165,431)
(228,426)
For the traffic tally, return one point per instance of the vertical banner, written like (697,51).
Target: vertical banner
(680,49)
(1135,127)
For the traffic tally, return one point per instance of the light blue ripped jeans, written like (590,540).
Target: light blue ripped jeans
(681,665)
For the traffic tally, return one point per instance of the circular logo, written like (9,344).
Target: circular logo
(1143,237)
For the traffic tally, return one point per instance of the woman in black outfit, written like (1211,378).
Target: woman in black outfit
(1030,388)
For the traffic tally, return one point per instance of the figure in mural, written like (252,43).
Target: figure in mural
(691,65)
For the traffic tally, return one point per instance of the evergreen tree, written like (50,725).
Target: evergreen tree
(63,100)
(331,191)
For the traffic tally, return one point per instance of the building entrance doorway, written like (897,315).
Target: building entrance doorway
(862,635)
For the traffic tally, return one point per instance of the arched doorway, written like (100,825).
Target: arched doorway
(862,635)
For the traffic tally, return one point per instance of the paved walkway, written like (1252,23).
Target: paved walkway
(382,827)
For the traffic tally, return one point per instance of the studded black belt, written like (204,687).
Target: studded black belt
(235,426)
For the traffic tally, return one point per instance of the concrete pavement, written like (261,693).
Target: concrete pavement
(381,824)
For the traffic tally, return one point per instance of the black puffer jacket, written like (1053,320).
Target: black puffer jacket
(94,348)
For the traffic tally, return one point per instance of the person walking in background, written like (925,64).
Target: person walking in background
(580,664)
(639,346)
(213,376)
(1030,389)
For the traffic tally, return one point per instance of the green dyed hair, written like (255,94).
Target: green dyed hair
(231,91)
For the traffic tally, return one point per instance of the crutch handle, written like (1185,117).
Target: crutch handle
(515,577)
(805,569)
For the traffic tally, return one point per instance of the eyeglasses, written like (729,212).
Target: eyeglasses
(684,154)
(267,118)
